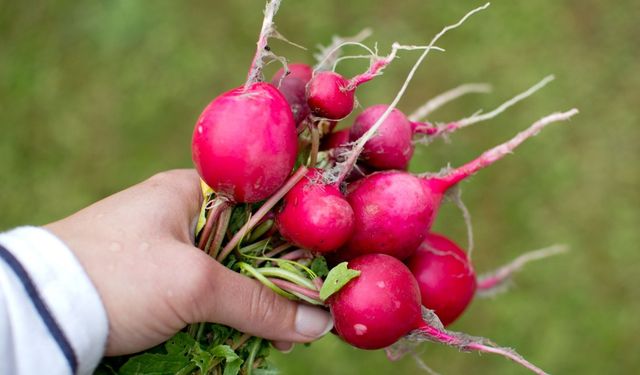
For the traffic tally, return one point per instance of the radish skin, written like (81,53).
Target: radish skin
(245,143)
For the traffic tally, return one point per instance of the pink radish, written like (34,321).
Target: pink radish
(382,305)
(335,139)
(244,143)
(445,276)
(329,95)
(391,211)
(392,214)
(300,71)
(391,147)
(293,87)
(315,215)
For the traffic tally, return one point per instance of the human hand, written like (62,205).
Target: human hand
(137,248)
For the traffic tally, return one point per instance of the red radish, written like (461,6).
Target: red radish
(335,140)
(391,211)
(393,214)
(391,147)
(329,95)
(293,87)
(300,71)
(293,90)
(315,215)
(445,276)
(382,305)
(244,143)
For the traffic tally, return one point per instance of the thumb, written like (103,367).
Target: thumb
(235,300)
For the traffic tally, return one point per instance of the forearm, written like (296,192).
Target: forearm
(51,317)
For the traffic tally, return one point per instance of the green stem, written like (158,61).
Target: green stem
(260,230)
(200,332)
(260,245)
(258,276)
(241,341)
(187,370)
(192,329)
(252,355)
(287,275)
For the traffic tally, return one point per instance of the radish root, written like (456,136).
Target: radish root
(496,281)
(343,168)
(421,113)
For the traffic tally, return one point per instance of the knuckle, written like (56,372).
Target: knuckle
(264,304)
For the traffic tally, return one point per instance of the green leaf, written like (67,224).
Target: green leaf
(338,277)
(232,360)
(239,216)
(220,333)
(180,343)
(206,193)
(156,364)
(319,266)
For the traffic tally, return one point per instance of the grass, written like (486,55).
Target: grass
(95,96)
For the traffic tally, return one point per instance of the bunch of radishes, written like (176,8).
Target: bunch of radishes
(285,190)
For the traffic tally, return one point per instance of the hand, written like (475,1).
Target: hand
(137,248)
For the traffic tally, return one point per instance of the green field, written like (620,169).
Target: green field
(98,95)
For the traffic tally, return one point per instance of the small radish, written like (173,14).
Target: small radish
(244,143)
(300,71)
(382,305)
(393,214)
(293,87)
(315,215)
(445,276)
(293,90)
(330,96)
(391,147)
(335,139)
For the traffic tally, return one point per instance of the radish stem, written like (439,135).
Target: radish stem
(266,207)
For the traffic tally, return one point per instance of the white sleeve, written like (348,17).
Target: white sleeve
(52,320)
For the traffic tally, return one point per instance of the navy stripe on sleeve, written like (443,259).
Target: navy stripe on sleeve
(42,308)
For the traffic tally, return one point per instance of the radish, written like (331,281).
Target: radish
(394,209)
(245,143)
(332,96)
(382,305)
(445,277)
(447,280)
(329,95)
(391,147)
(293,87)
(299,71)
(315,215)
(335,139)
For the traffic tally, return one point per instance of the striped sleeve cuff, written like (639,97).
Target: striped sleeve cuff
(61,292)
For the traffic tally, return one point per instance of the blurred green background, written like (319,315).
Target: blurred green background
(98,95)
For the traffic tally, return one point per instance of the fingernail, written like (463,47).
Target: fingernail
(313,322)
(287,350)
